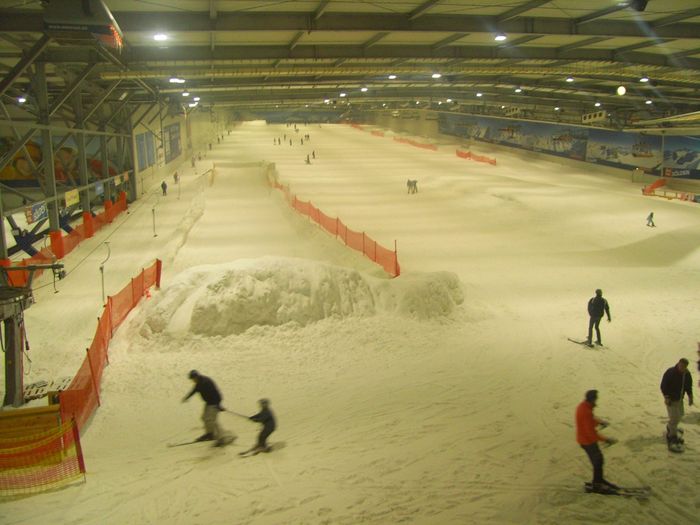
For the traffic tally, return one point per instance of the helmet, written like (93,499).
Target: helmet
(591,396)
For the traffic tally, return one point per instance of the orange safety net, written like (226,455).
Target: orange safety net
(361,242)
(377,133)
(82,397)
(473,156)
(415,143)
(43,460)
(649,190)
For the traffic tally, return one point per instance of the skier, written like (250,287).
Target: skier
(164,187)
(313,154)
(650,220)
(588,437)
(212,406)
(676,382)
(267,418)
(597,306)
(308,160)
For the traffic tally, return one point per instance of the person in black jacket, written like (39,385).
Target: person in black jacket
(267,418)
(212,404)
(597,306)
(675,384)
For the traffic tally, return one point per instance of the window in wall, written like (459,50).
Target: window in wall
(171,141)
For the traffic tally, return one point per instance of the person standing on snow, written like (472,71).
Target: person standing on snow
(267,418)
(650,220)
(597,306)
(675,384)
(588,438)
(212,405)
(164,187)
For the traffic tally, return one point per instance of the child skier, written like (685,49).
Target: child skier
(267,418)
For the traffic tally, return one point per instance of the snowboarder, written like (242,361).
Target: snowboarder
(212,406)
(597,306)
(267,418)
(650,220)
(588,437)
(676,382)
(164,187)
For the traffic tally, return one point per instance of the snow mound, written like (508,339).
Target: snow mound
(228,299)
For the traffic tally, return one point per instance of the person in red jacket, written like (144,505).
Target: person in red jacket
(587,436)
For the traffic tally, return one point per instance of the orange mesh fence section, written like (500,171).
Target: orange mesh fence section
(81,398)
(649,190)
(378,133)
(40,460)
(473,156)
(415,143)
(387,259)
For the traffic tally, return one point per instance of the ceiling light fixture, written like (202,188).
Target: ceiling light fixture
(185,93)
(417,101)
(503,107)
(621,90)
(21,100)
(648,102)
(196,99)
(326,101)
(343,95)
(392,77)
(160,37)
(518,90)
(479,94)
(556,108)
(500,37)
(436,75)
(364,89)
(448,100)
(644,79)
(176,80)
(597,104)
(569,79)
(192,104)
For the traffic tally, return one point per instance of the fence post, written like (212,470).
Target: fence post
(336,226)
(396,260)
(78,447)
(363,243)
(159,269)
(92,376)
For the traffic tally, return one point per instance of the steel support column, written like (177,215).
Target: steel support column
(23,64)
(48,176)
(82,154)
(104,158)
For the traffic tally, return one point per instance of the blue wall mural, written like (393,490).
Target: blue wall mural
(680,155)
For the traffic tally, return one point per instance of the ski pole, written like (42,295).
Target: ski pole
(235,413)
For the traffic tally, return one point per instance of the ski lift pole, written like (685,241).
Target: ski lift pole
(102,270)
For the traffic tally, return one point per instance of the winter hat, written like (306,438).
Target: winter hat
(591,396)
(599,292)
(193,374)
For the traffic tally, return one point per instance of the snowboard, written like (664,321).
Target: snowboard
(640,493)
(583,343)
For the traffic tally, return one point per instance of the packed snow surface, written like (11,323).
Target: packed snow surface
(444,396)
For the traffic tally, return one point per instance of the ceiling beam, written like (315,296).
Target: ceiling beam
(271,22)
(376,38)
(295,40)
(321,9)
(520,9)
(421,9)
(581,43)
(446,41)
(641,45)
(672,19)
(24,63)
(595,15)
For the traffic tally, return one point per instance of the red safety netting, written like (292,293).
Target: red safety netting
(361,242)
(82,397)
(377,133)
(473,156)
(415,143)
(41,460)
(649,190)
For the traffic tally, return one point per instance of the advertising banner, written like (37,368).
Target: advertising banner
(72,197)
(36,212)
(682,156)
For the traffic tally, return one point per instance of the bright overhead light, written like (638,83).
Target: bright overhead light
(392,77)
(185,93)
(417,101)
(503,107)
(569,79)
(21,100)
(648,102)
(597,104)
(557,108)
(326,101)
(479,94)
(436,75)
(644,79)
(364,89)
(500,37)
(176,80)
(621,90)
(518,90)
(448,100)
(343,95)
(160,37)
(196,99)
(384,104)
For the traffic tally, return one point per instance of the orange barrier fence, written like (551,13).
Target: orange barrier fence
(62,245)
(37,457)
(377,133)
(80,400)
(359,241)
(473,156)
(649,190)
(415,143)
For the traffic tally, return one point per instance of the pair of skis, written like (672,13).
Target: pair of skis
(640,493)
